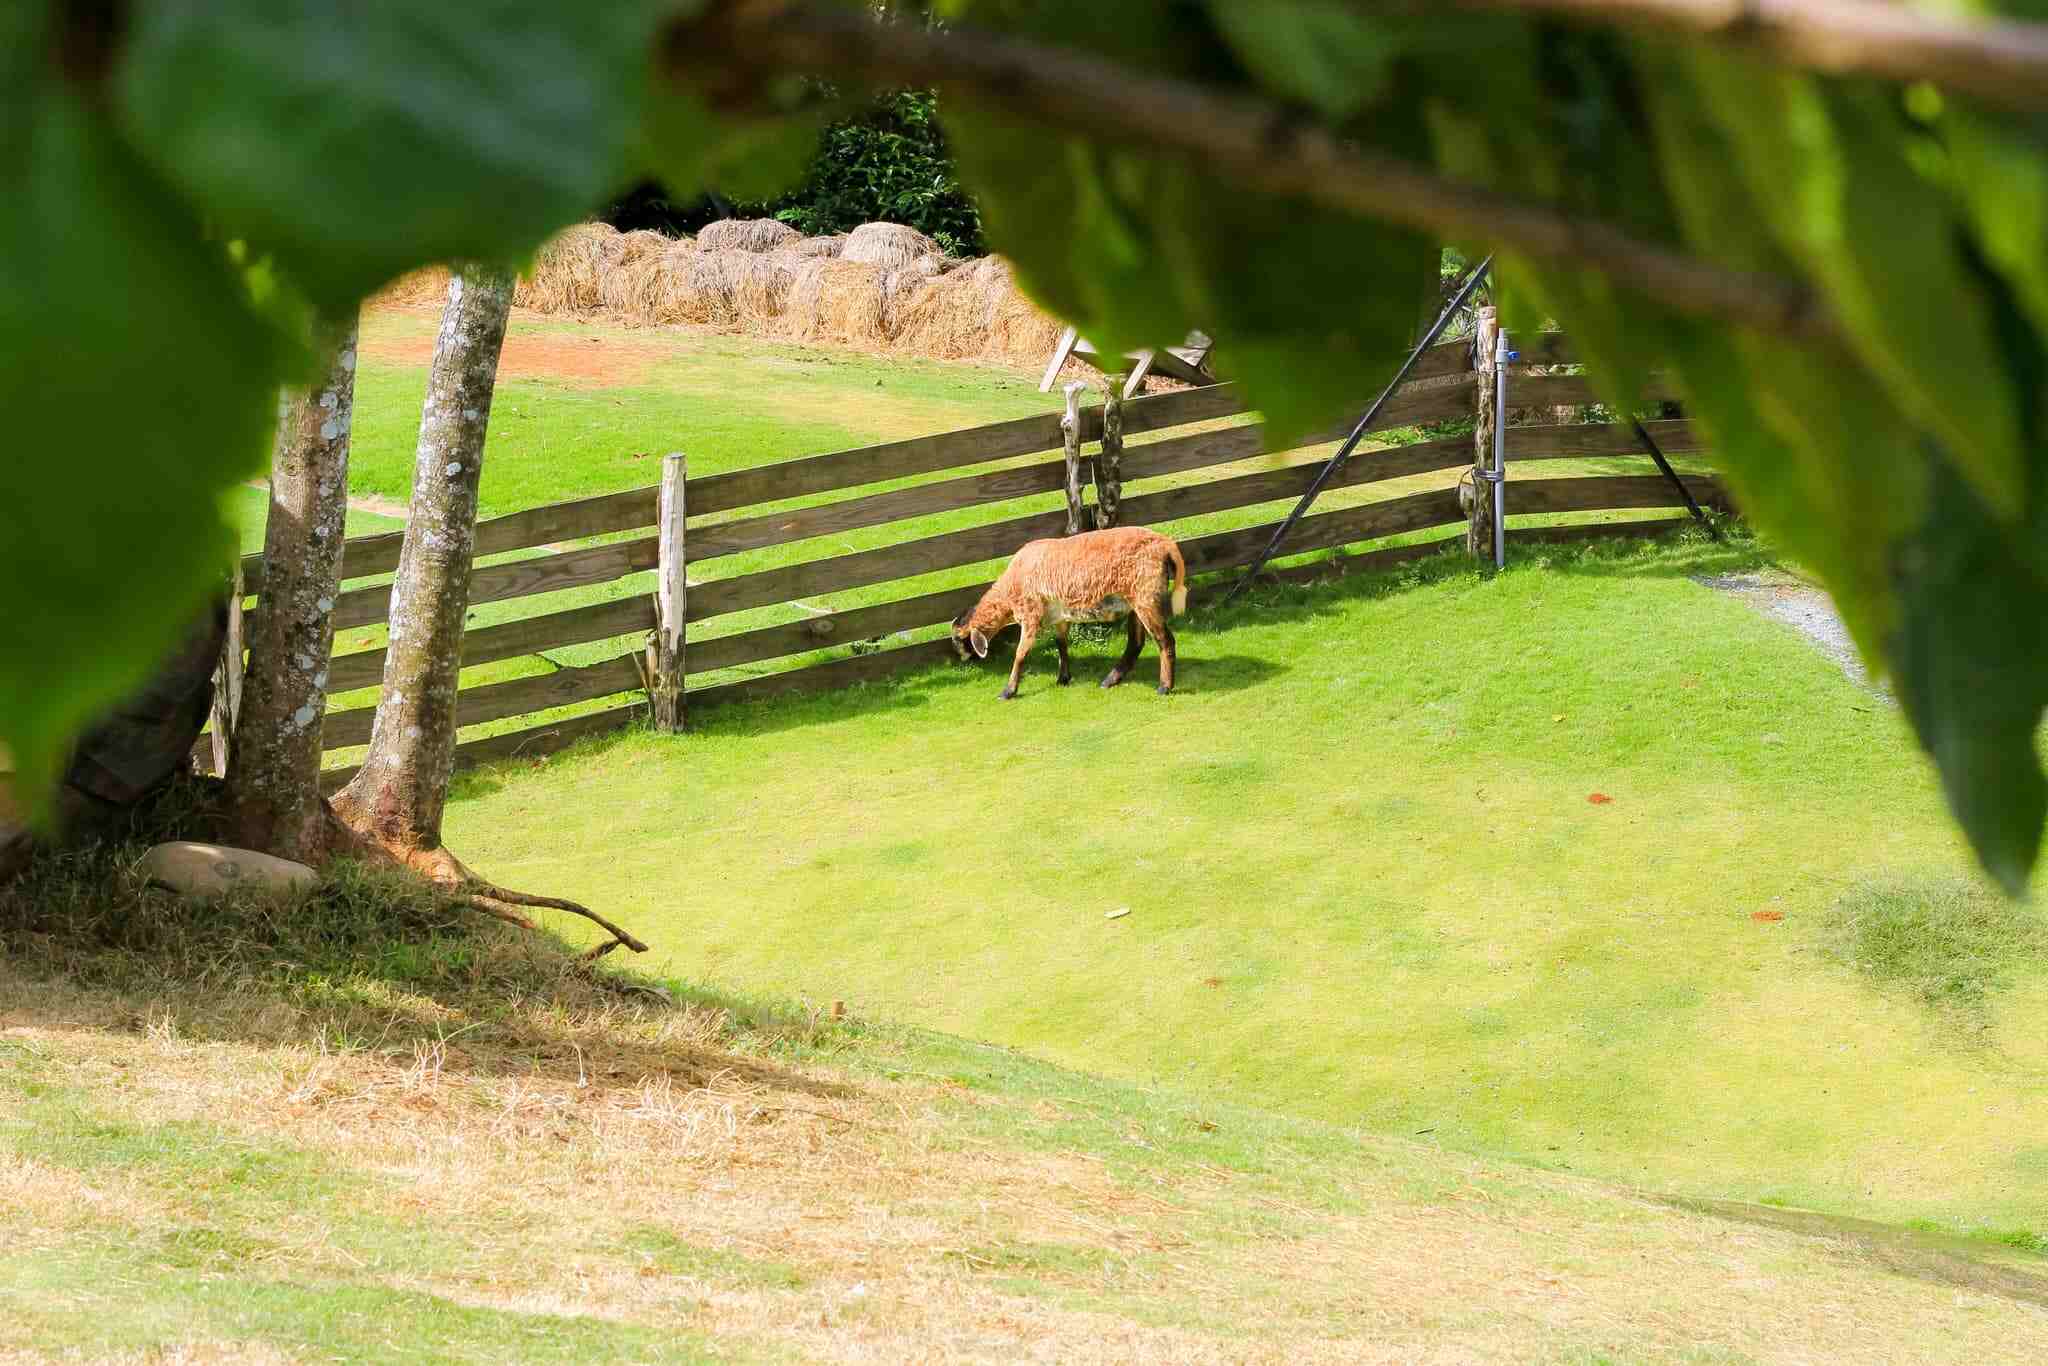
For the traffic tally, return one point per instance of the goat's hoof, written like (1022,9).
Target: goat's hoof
(1007,694)
(1112,680)
(1066,680)
(1164,690)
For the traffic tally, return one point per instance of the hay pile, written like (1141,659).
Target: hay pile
(881,287)
(888,245)
(746,234)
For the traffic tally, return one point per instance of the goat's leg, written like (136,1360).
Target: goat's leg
(1060,637)
(1133,643)
(1156,627)
(1027,636)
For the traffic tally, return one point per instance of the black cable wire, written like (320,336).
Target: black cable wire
(1336,463)
(1650,444)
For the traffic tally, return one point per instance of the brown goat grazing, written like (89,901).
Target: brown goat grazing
(1096,576)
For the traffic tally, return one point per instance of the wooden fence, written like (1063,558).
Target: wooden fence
(741,511)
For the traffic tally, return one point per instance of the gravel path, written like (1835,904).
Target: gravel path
(1801,606)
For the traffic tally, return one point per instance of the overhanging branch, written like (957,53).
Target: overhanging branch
(1254,142)
(2003,63)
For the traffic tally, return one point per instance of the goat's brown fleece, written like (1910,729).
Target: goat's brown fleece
(1095,576)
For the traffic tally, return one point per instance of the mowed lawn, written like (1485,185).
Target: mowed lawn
(585,408)
(1543,867)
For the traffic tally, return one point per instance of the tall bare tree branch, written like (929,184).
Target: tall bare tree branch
(1255,142)
(2002,63)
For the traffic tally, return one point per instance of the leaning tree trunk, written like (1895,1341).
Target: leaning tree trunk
(273,778)
(397,797)
(395,801)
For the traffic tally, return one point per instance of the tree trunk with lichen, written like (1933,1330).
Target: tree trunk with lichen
(397,797)
(1475,490)
(393,806)
(273,780)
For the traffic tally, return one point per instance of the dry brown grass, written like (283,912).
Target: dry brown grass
(596,1152)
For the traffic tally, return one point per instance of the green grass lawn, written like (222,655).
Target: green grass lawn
(596,421)
(585,408)
(1367,882)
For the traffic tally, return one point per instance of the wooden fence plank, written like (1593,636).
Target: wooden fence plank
(1561,391)
(948,550)
(609,512)
(1444,358)
(840,628)
(1593,531)
(1675,436)
(820,677)
(529,635)
(1607,493)
(948,450)
(496,701)
(852,514)
(1218,495)
(1323,530)
(516,579)
(1541,348)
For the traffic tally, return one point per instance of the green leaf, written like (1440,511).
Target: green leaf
(1832,177)
(137,384)
(356,142)
(2002,174)
(1320,52)
(1971,662)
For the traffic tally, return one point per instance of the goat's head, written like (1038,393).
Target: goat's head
(967,636)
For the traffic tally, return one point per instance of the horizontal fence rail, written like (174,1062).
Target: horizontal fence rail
(735,512)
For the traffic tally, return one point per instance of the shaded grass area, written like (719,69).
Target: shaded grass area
(1948,943)
(1367,882)
(367,1132)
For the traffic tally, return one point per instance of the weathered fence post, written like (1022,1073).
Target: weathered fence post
(1109,461)
(227,679)
(1070,430)
(665,672)
(1474,490)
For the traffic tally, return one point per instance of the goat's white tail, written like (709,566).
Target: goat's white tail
(1180,578)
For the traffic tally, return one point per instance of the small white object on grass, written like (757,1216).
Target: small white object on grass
(1119,911)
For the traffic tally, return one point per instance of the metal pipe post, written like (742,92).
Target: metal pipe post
(1501,357)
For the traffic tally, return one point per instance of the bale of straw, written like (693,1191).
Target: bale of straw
(900,287)
(569,270)
(762,292)
(746,234)
(702,286)
(891,246)
(945,317)
(1020,332)
(427,285)
(835,300)
(633,289)
(806,247)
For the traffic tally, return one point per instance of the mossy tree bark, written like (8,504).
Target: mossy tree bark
(398,796)
(273,778)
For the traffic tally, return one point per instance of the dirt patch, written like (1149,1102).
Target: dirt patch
(1803,607)
(584,361)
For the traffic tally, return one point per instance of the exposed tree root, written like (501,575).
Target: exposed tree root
(443,869)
